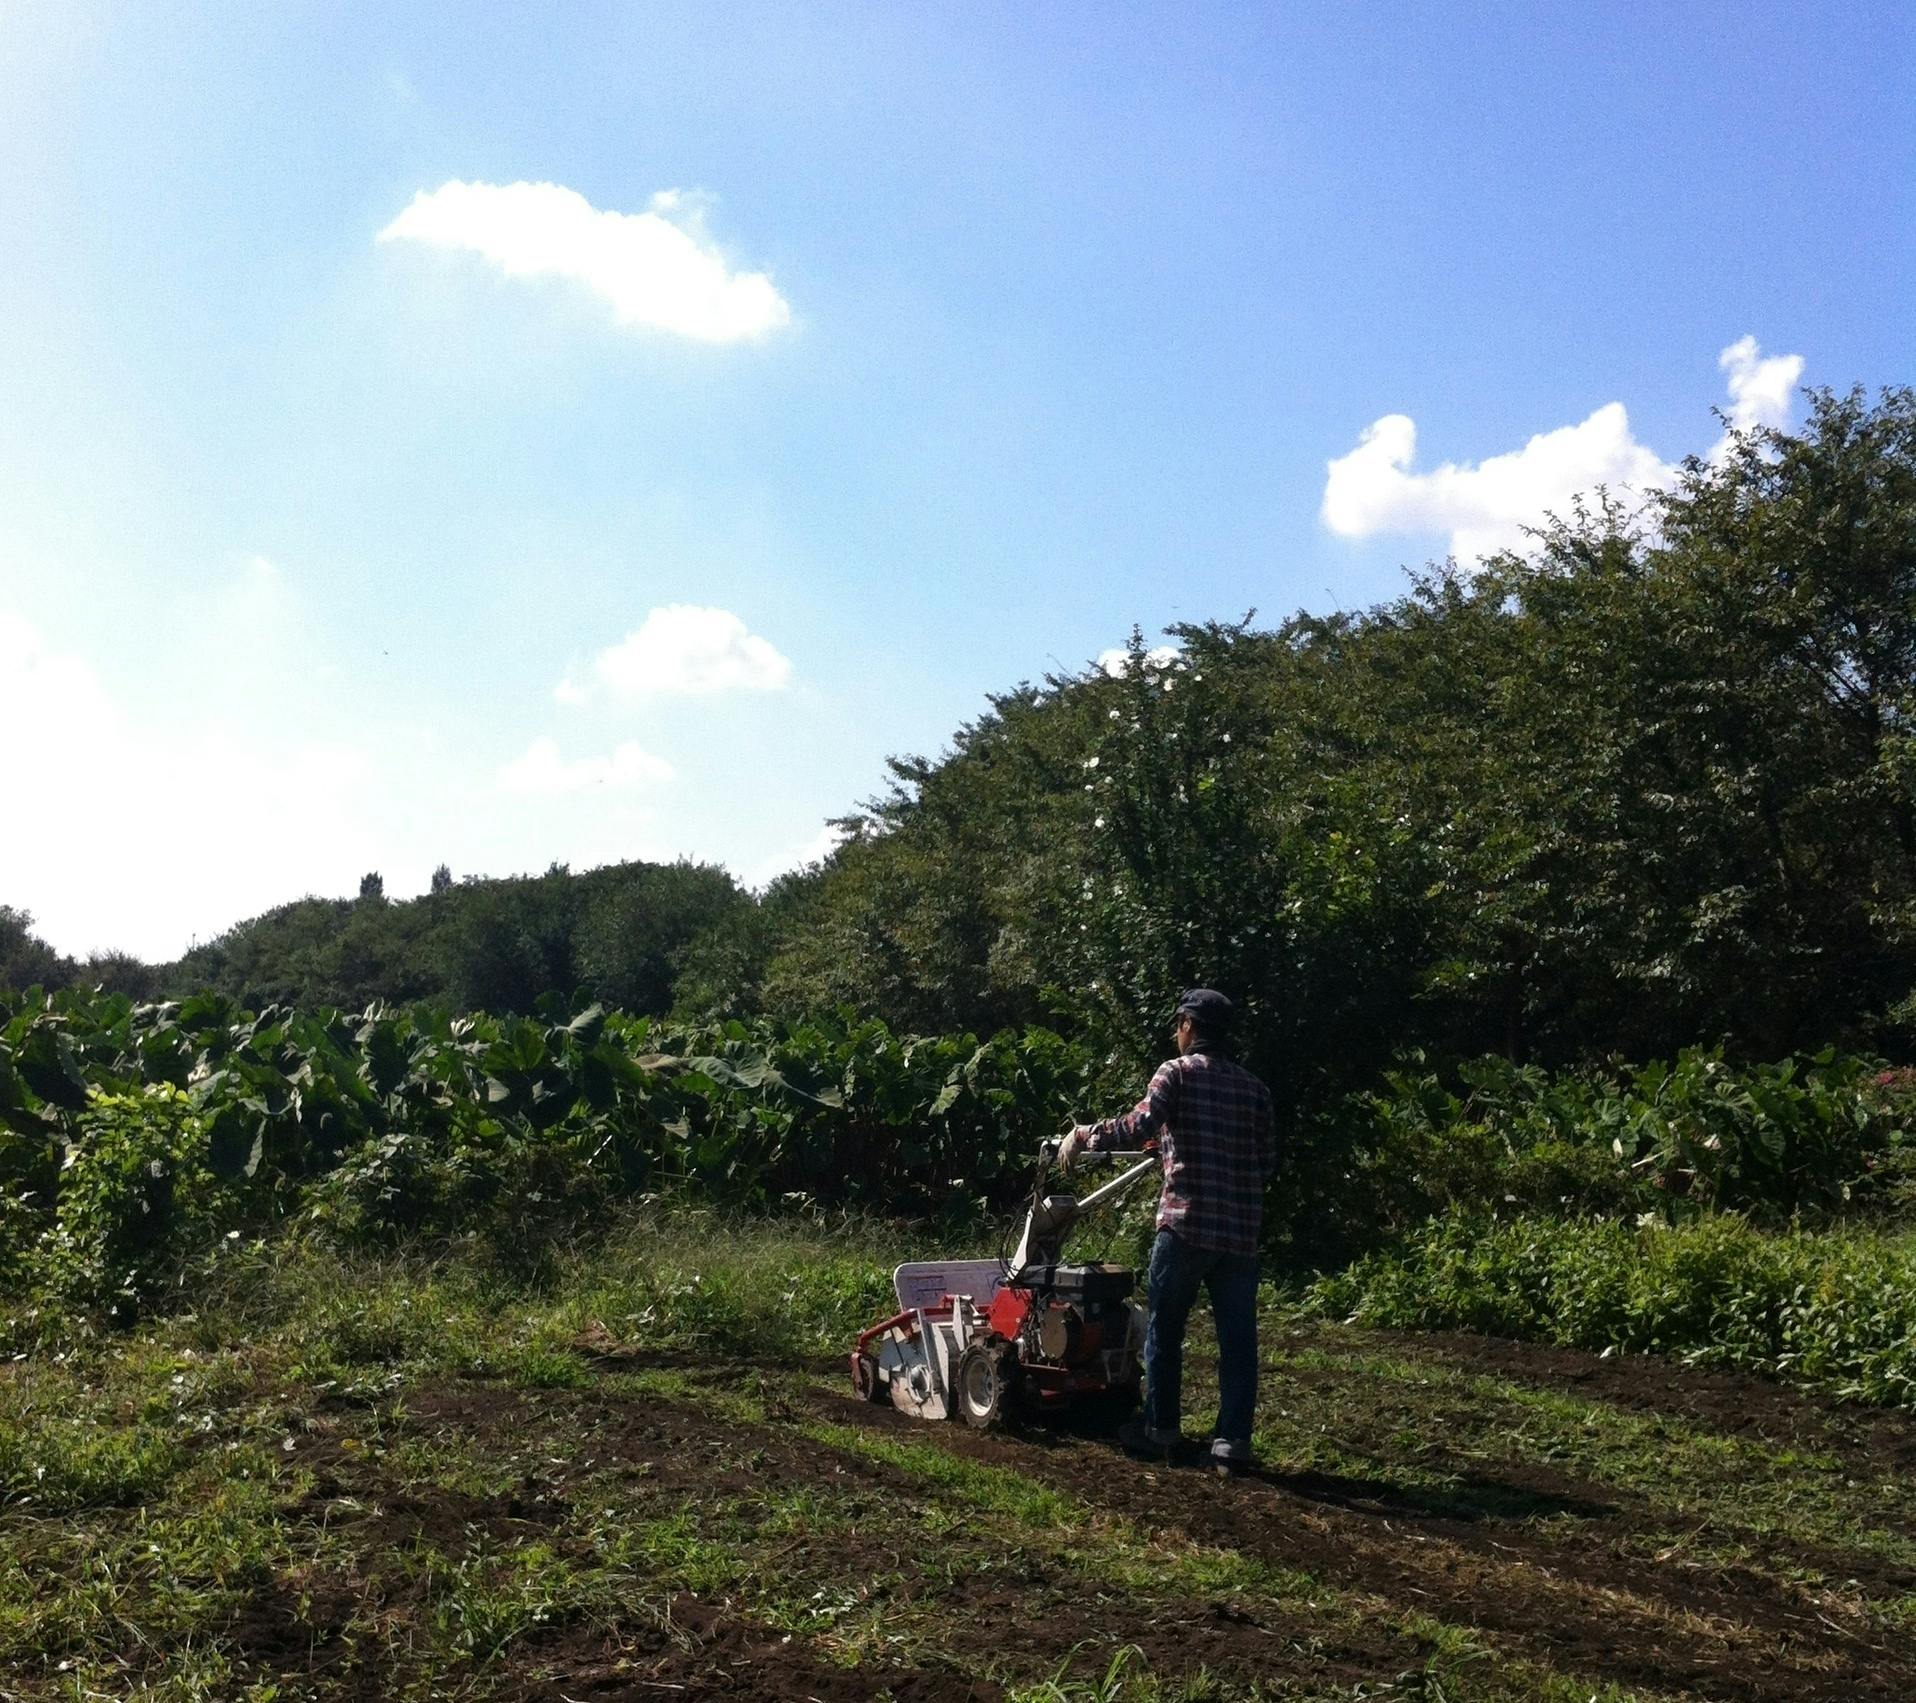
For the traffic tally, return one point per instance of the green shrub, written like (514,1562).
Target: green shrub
(390,1124)
(1800,1140)
(123,1128)
(135,1190)
(1696,1133)
(1835,1310)
(21,1227)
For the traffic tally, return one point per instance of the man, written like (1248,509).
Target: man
(1215,1132)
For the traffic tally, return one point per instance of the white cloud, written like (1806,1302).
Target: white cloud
(1485,506)
(684,650)
(144,828)
(658,268)
(1117,662)
(1760,389)
(542,771)
(32,672)
(801,856)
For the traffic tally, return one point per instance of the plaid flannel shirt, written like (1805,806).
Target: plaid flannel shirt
(1217,1138)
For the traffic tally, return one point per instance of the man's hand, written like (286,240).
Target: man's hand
(1072,1146)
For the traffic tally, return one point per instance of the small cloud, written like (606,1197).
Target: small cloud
(802,856)
(657,269)
(1486,506)
(543,772)
(686,651)
(1761,389)
(1117,663)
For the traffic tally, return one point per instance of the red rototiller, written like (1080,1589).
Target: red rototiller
(986,1340)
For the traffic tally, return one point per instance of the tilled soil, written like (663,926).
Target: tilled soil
(1584,1608)
(1730,1403)
(1538,1566)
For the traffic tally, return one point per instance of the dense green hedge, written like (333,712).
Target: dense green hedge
(130,1135)
(1806,1140)
(1835,1310)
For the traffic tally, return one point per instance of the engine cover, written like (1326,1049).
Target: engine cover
(1086,1284)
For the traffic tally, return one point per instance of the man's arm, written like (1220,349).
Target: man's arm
(1137,1126)
(1266,1136)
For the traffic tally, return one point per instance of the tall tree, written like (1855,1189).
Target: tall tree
(25,959)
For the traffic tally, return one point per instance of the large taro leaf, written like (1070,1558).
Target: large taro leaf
(660,1064)
(549,1101)
(755,1070)
(384,1056)
(553,1007)
(598,1080)
(588,1026)
(49,1066)
(704,1073)
(520,1047)
(166,1055)
(207,1016)
(235,1142)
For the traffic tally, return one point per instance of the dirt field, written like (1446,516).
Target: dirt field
(400,1490)
(1439,1517)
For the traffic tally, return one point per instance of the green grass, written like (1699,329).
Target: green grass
(275,1444)
(992,1490)
(1436,1434)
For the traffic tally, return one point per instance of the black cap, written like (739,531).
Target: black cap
(1208,1009)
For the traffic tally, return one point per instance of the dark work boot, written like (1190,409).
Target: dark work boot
(1144,1443)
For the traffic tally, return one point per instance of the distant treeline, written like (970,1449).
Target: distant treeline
(628,932)
(1652,783)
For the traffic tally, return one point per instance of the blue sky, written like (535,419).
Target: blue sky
(570,524)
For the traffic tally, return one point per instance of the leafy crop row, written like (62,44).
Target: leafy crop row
(129,1133)
(131,1136)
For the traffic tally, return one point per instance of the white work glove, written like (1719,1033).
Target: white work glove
(1072,1146)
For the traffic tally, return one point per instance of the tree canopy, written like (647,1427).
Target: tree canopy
(1643,783)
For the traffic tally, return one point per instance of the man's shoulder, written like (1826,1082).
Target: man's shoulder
(1225,1067)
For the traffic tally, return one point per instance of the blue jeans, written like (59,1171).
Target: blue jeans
(1178,1271)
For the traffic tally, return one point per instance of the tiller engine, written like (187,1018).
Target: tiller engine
(984,1340)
